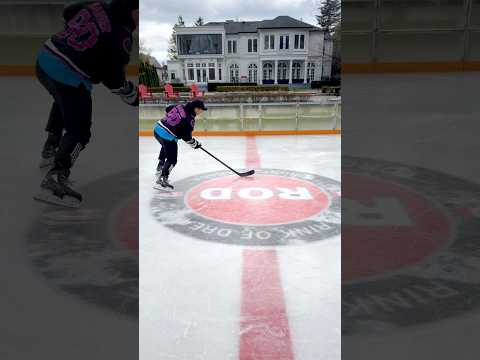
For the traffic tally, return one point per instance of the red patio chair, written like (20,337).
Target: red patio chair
(170,94)
(194,92)
(145,94)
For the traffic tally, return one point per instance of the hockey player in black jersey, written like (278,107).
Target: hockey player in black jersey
(178,123)
(94,47)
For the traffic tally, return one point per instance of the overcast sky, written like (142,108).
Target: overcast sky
(158,16)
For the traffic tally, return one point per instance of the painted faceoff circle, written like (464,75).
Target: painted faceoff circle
(273,207)
(410,249)
(387,227)
(260,200)
(92,252)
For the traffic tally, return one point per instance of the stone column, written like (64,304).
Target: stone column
(290,77)
(275,71)
(260,73)
(305,71)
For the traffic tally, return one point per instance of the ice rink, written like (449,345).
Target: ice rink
(242,268)
(64,258)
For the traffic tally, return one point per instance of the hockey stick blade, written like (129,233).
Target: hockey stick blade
(248,173)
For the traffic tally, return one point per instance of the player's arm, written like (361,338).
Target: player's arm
(115,75)
(194,143)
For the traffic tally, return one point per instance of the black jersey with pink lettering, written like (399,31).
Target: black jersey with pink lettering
(96,42)
(179,121)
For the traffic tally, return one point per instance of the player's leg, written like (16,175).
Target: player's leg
(54,126)
(162,155)
(76,108)
(171,155)
(161,160)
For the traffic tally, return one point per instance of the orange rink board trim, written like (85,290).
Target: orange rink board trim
(255,133)
(29,70)
(410,67)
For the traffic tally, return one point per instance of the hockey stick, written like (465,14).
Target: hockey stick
(247,173)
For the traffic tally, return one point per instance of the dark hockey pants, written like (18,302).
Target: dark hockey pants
(71,112)
(168,154)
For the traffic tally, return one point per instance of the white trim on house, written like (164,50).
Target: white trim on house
(271,65)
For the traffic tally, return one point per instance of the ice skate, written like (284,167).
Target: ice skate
(55,190)
(163,184)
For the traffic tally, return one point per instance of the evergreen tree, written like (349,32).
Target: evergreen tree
(337,55)
(330,15)
(199,21)
(172,47)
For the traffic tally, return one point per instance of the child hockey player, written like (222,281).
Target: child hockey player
(93,48)
(178,123)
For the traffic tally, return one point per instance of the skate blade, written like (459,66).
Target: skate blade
(160,187)
(44,163)
(48,198)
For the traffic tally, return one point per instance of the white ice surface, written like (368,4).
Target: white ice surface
(53,322)
(426,120)
(190,289)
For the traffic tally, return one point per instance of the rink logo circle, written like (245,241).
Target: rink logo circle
(260,200)
(92,252)
(376,209)
(273,207)
(409,246)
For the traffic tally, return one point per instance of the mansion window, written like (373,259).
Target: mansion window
(199,44)
(284,42)
(269,42)
(299,41)
(282,71)
(232,46)
(311,72)
(268,71)
(296,66)
(234,73)
(252,45)
(252,73)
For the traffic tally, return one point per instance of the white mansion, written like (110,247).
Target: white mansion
(278,51)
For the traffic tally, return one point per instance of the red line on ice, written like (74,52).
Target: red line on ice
(264,330)
(252,156)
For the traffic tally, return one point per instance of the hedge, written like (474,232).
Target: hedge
(175,89)
(252,88)
(212,86)
(331,90)
(318,84)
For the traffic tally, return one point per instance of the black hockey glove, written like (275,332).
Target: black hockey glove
(128,93)
(194,143)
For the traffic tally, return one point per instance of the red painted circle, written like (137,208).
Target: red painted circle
(126,224)
(258,200)
(392,229)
